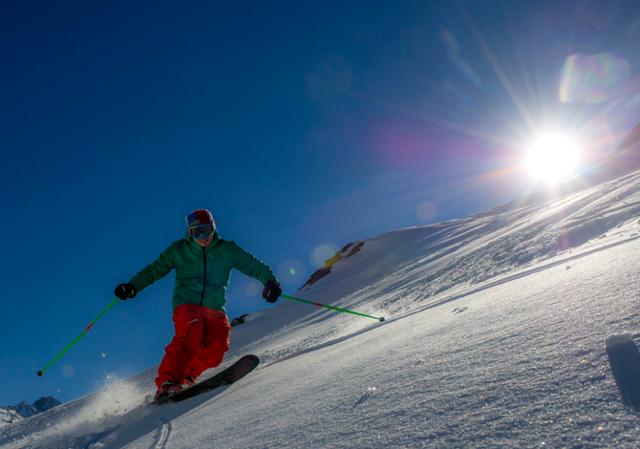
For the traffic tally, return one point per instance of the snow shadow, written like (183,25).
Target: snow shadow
(624,359)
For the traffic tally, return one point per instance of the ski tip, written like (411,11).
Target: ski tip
(381,319)
(40,373)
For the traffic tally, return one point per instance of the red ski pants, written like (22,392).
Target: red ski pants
(200,341)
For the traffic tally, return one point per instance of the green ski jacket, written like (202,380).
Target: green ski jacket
(202,274)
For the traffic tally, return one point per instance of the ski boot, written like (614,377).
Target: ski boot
(166,390)
(189,381)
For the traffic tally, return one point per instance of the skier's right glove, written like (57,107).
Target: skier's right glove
(125,291)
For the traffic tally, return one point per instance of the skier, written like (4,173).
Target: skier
(203,262)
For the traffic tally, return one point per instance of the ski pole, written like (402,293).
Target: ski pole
(87,329)
(337,309)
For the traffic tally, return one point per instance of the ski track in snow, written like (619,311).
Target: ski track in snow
(163,436)
(543,355)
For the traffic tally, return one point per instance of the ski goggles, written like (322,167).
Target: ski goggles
(201,232)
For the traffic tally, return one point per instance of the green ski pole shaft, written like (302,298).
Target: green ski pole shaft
(87,329)
(337,309)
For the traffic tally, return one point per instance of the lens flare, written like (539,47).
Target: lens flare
(68,371)
(291,270)
(252,288)
(427,211)
(322,253)
(593,78)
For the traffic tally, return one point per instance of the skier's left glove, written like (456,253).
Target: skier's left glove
(125,291)
(272,291)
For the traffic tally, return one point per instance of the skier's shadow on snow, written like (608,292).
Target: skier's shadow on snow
(624,359)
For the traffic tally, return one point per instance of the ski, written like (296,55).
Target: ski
(227,376)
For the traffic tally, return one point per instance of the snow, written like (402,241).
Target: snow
(517,327)
(11,414)
(8,416)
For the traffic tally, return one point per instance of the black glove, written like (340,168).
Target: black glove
(272,291)
(125,291)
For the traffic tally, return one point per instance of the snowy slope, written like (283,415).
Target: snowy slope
(8,416)
(25,409)
(495,337)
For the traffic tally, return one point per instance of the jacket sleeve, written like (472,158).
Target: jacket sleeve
(156,270)
(249,264)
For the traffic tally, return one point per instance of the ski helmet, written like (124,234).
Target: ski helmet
(201,224)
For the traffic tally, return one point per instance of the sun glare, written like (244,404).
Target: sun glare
(553,158)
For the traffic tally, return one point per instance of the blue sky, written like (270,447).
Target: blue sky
(300,125)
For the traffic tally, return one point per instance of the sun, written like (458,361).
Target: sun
(553,158)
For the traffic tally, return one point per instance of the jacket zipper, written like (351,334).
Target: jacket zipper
(204,280)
